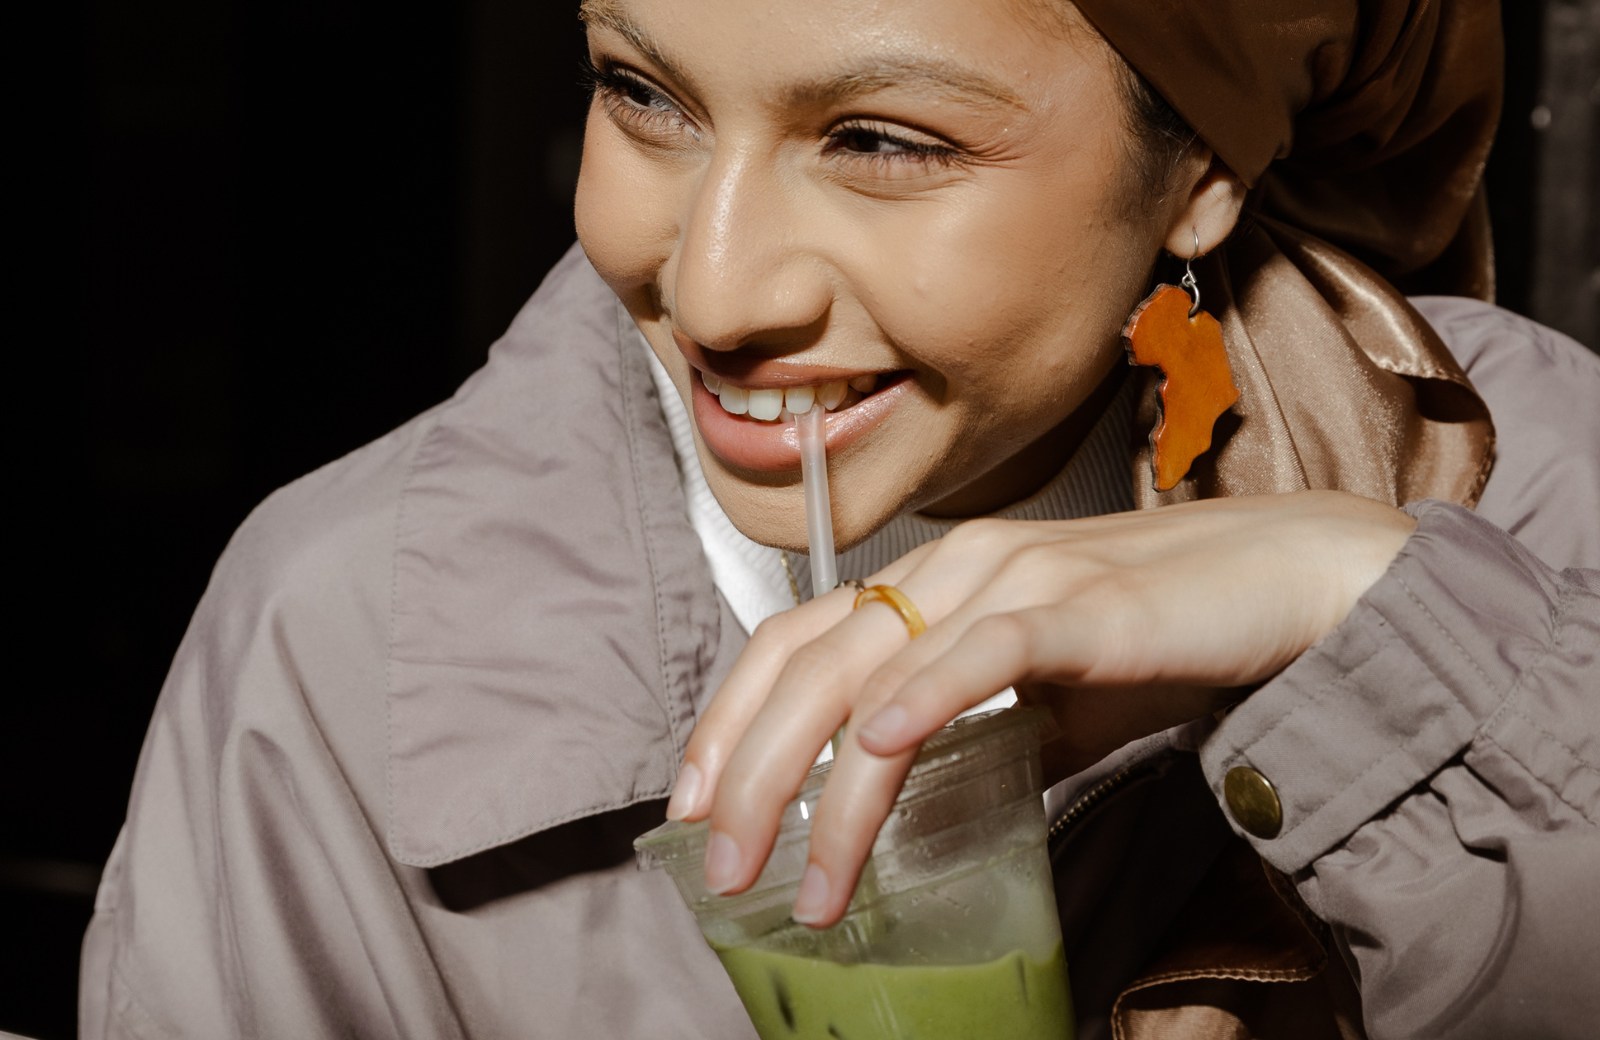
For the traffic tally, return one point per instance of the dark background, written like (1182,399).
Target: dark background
(250,236)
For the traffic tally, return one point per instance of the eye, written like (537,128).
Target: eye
(881,143)
(636,103)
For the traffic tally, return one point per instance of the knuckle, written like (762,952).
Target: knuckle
(1029,565)
(1051,571)
(1006,632)
(1036,557)
(1113,593)
(774,632)
(885,682)
(978,535)
(813,664)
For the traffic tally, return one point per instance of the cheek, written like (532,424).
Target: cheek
(624,210)
(1017,294)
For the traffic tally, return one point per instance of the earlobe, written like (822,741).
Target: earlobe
(1213,209)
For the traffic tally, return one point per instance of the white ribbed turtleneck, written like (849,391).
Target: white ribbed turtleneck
(750,576)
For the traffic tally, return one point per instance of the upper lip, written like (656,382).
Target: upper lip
(748,370)
(775,378)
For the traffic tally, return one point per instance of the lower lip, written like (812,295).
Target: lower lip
(774,447)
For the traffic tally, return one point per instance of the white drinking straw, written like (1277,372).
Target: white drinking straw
(819,515)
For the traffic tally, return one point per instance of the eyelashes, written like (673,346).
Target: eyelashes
(633,102)
(639,106)
(873,143)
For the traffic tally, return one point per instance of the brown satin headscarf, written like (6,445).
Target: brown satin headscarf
(1361,127)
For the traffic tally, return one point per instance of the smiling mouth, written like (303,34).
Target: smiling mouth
(772,405)
(753,429)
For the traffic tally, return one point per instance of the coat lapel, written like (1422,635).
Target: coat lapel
(553,619)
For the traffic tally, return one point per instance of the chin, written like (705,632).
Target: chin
(775,515)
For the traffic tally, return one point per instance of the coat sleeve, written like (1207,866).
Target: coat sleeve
(1437,762)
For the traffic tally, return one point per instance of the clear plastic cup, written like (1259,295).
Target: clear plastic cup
(952,931)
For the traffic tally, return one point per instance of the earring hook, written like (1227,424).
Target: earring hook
(1188,277)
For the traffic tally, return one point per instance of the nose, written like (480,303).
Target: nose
(743,275)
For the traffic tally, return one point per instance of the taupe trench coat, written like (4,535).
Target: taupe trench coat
(435,688)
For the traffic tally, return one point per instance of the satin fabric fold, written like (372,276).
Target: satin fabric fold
(1363,122)
(1343,385)
(1362,127)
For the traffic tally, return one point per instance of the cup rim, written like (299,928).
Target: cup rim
(942,748)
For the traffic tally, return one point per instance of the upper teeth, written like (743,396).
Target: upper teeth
(832,394)
(797,400)
(766,404)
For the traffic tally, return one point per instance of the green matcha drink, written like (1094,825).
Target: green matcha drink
(959,877)
(801,998)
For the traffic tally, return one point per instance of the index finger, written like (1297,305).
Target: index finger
(750,682)
(741,696)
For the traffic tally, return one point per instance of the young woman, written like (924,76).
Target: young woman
(437,687)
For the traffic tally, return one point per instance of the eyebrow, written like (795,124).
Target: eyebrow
(608,14)
(943,78)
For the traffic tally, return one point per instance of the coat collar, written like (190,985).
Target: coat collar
(553,621)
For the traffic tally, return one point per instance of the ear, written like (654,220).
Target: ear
(1210,214)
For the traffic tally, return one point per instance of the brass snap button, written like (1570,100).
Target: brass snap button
(1253,801)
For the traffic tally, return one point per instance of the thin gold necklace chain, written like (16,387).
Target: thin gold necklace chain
(794,586)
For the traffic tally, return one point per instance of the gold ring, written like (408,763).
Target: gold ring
(901,604)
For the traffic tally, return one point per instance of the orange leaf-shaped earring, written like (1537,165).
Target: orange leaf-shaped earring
(1170,331)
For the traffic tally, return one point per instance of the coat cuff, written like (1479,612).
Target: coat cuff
(1401,687)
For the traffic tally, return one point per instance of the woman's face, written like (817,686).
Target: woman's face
(930,199)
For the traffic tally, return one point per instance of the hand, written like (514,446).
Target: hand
(1122,625)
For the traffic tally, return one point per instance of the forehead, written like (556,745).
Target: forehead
(976,52)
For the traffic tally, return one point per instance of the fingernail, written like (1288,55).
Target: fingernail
(722,862)
(685,793)
(886,727)
(811,901)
